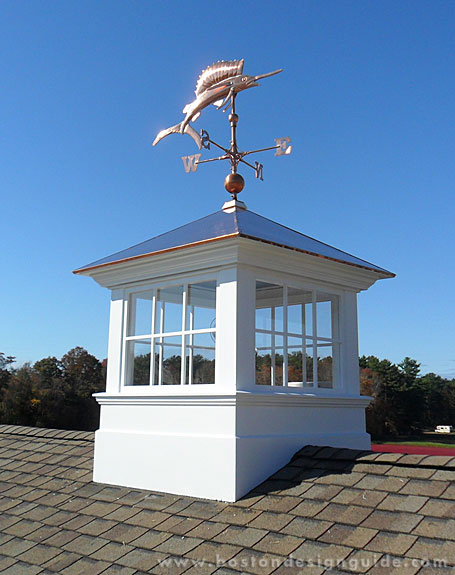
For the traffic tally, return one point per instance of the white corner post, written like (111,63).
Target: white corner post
(116,330)
(350,346)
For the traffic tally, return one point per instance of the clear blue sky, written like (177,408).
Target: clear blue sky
(367,96)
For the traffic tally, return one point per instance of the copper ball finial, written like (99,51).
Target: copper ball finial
(233,118)
(234,184)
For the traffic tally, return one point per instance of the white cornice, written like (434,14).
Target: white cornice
(232,252)
(202,258)
(283,260)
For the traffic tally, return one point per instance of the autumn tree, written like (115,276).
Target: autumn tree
(55,393)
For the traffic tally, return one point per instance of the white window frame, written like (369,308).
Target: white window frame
(186,335)
(335,341)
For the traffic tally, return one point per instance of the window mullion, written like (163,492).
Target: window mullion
(183,362)
(315,339)
(131,322)
(272,362)
(128,356)
(285,337)
(336,351)
(190,362)
(304,373)
(160,372)
(152,350)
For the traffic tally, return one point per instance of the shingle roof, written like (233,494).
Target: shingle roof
(239,223)
(362,509)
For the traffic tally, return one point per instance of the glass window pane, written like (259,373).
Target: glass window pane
(263,367)
(296,352)
(169,309)
(263,359)
(201,305)
(295,372)
(263,340)
(306,339)
(264,318)
(269,306)
(309,363)
(300,311)
(200,359)
(325,366)
(171,362)
(139,353)
(142,322)
(277,376)
(325,307)
(156,374)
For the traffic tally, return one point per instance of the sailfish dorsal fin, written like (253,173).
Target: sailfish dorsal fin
(218,72)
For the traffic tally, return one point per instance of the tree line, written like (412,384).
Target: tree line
(57,393)
(405,402)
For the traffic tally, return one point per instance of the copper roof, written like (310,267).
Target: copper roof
(368,512)
(223,225)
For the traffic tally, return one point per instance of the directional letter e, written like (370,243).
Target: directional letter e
(284,148)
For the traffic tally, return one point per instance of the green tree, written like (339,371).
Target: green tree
(141,369)
(82,372)
(19,404)
(83,375)
(398,401)
(439,400)
(5,373)
(49,370)
(54,393)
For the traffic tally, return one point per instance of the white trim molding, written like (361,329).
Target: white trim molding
(241,398)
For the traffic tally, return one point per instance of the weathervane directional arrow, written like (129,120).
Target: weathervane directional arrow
(219,84)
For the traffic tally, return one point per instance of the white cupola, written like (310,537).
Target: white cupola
(232,344)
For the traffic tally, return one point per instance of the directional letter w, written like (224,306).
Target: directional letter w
(190,162)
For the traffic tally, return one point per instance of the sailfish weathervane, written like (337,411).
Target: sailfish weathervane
(219,85)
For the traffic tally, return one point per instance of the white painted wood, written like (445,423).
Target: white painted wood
(233,251)
(219,441)
(226,336)
(115,346)
(245,336)
(350,373)
(226,445)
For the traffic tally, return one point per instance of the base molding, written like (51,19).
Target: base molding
(216,448)
(219,468)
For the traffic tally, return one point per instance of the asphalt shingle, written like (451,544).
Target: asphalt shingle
(355,511)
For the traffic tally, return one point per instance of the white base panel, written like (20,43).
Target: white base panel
(223,447)
(195,466)
(259,458)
